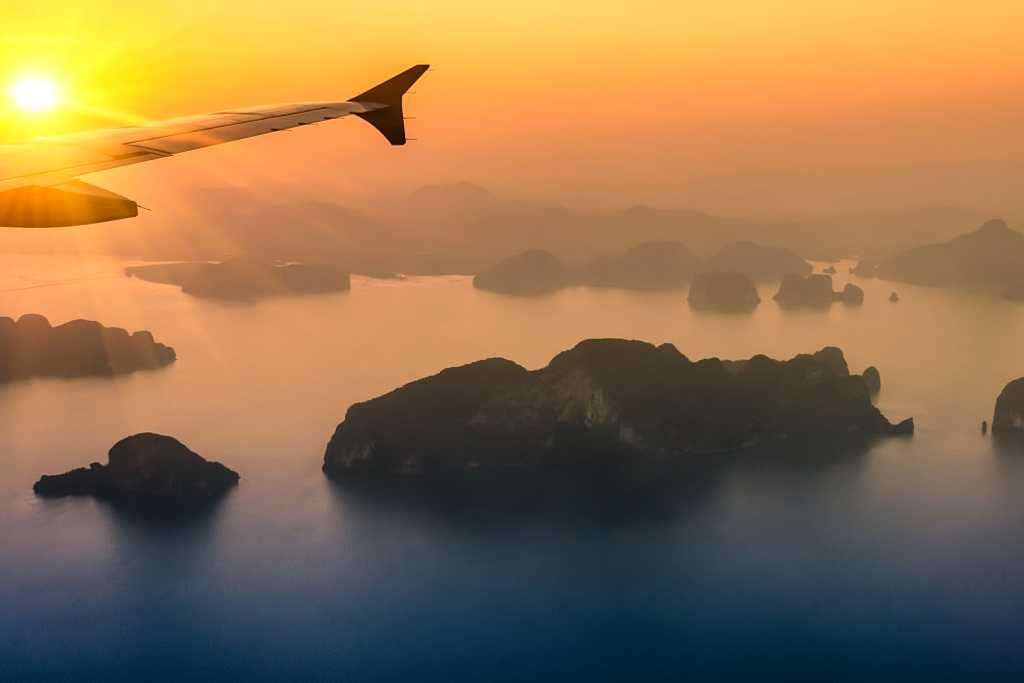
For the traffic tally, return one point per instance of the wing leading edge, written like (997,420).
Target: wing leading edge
(38,186)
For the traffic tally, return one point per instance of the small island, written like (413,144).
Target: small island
(603,400)
(815,291)
(148,470)
(245,279)
(723,291)
(32,347)
(852,295)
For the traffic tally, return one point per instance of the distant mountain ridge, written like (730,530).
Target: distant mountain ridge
(990,257)
(455,228)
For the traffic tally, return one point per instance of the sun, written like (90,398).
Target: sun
(35,93)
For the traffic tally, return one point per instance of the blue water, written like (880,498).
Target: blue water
(901,560)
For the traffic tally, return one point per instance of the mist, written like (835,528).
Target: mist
(680,341)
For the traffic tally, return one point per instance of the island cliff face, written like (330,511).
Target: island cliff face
(145,469)
(605,398)
(32,347)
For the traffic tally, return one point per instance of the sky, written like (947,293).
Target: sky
(737,106)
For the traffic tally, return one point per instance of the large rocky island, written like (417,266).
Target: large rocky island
(605,399)
(149,470)
(32,347)
(244,278)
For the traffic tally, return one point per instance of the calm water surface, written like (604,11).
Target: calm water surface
(903,560)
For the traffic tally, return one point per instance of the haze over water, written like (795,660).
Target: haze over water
(902,560)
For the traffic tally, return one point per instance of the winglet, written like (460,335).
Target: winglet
(389,119)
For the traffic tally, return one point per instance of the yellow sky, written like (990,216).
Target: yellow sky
(670,89)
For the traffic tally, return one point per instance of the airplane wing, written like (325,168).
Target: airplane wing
(38,180)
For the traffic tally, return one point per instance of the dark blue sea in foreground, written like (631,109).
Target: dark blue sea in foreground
(899,560)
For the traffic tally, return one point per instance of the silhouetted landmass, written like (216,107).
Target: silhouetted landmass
(245,279)
(872,379)
(459,228)
(852,295)
(605,399)
(31,347)
(145,470)
(812,290)
(815,291)
(723,291)
(650,266)
(988,259)
(759,261)
(530,273)
(1009,415)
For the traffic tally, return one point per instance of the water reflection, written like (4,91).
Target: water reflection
(626,495)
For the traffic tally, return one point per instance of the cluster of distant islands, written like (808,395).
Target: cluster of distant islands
(725,283)
(607,400)
(986,260)
(464,228)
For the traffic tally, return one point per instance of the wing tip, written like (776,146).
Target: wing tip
(390,119)
(390,92)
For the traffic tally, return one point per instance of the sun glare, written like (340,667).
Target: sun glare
(35,94)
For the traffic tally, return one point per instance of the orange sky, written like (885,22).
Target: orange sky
(597,102)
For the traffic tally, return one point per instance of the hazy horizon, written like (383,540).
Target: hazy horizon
(730,108)
(678,343)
